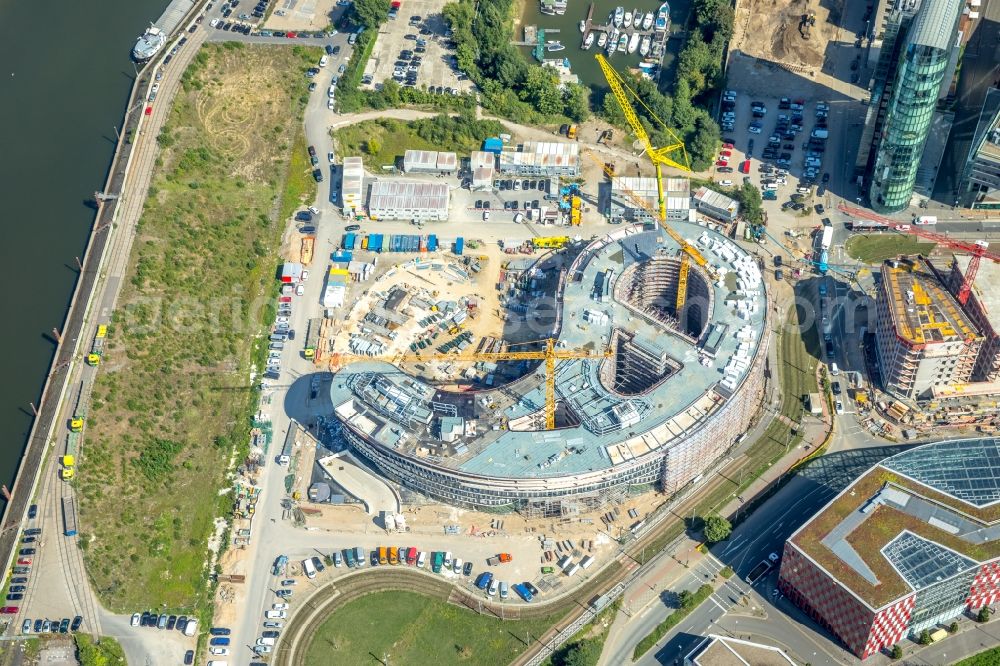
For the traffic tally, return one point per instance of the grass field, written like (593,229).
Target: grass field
(380,142)
(876,248)
(414,629)
(161,434)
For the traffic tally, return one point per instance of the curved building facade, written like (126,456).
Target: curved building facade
(674,393)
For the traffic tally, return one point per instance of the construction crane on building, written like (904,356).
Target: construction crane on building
(688,250)
(550,355)
(673,154)
(977,250)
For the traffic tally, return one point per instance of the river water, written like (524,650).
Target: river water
(65,76)
(582,62)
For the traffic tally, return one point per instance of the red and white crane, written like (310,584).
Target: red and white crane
(977,250)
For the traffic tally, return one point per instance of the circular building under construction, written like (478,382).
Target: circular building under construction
(657,367)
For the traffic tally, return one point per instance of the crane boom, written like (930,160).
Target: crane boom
(639,202)
(682,283)
(976,249)
(658,156)
(550,355)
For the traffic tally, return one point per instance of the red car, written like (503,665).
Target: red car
(725,153)
(9,610)
(290,35)
(728,146)
(285,299)
(721,163)
(149,110)
(24,562)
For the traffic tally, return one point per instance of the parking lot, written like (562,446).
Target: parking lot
(412,49)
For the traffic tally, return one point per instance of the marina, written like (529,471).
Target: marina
(647,47)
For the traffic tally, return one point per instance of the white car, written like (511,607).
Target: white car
(457,565)
(330,157)
(329,104)
(323,61)
(305,273)
(274,625)
(773,557)
(839,406)
(300,290)
(275,614)
(282,320)
(726,183)
(494,586)
(135,619)
(288,582)
(219,651)
(421,559)
(262,649)
(279,607)
(447,560)
(214,22)
(486,216)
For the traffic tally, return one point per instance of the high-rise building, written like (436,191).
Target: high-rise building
(910,545)
(916,62)
(924,338)
(980,184)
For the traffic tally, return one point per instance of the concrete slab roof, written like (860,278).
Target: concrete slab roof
(672,410)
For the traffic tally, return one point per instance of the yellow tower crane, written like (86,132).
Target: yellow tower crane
(550,355)
(689,250)
(673,154)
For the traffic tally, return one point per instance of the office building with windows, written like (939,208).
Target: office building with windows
(910,546)
(916,64)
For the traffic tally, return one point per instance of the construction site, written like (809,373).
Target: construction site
(794,33)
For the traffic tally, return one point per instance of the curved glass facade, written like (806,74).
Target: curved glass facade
(907,123)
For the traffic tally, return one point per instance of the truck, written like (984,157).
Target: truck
(68,470)
(312,337)
(826,239)
(437,561)
(97,348)
(571,132)
(926,220)
(758,571)
(459,245)
(279,565)
(500,558)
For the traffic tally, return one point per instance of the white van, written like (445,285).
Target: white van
(275,615)
(265,641)
(834,370)
(421,559)
(192,628)
(308,568)
(447,560)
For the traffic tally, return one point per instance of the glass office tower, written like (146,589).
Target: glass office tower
(919,74)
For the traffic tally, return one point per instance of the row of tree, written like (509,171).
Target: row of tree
(510,86)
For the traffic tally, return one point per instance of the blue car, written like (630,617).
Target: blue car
(484,580)
(522,591)
(219,640)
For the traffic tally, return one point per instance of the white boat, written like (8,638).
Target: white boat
(588,41)
(647,21)
(619,16)
(613,41)
(623,43)
(551,47)
(663,17)
(633,42)
(148,44)
(644,46)
(583,26)
(602,40)
(628,19)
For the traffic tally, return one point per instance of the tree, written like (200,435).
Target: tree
(683,116)
(582,653)
(541,89)
(576,102)
(896,652)
(685,600)
(925,637)
(371,13)
(703,142)
(750,203)
(983,615)
(372,146)
(953,628)
(717,528)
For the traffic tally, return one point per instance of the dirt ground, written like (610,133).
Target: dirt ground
(302,15)
(780,21)
(436,285)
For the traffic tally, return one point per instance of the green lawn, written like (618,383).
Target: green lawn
(380,142)
(876,248)
(161,434)
(413,629)
(986,658)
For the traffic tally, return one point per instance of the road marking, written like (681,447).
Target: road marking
(721,607)
(730,547)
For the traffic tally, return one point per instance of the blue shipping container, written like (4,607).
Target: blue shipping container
(349,241)
(432,243)
(493,145)
(375,242)
(459,245)
(343,255)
